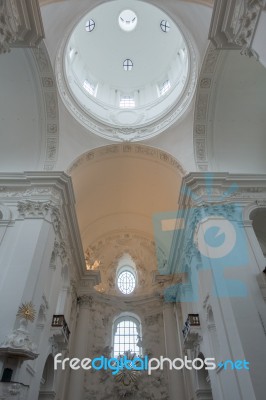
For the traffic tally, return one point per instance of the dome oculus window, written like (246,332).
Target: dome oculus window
(126,282)
(127,65)
(127,102)
(90,25)
(165,26)
(127,20)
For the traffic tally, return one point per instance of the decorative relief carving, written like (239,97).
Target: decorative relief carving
(91,261)
(8,34)
(40,209)
(201,107)
(5,192)
(201,150)
(205,83)
(132,149)
(52,128)
(60,250)
(261,203)
(210,60)
(51,105)
(109,249)
(42,60)
(85,300)
(99,343)
(47,82)
(234,24)
(20,24)
(52,149)
(19,342)
(151,320)
(200,130)
(50,101)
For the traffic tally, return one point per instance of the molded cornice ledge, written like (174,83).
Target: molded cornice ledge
(199,188)
(234,23)
(20,24)
(47,195)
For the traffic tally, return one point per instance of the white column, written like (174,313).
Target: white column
(175,377)
(81,334)
(76,378)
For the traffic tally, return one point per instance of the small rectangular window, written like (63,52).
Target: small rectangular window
(127,102)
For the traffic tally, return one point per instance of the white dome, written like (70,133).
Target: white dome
(125,66)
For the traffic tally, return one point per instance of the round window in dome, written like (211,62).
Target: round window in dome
(128,65)
(127,20)
(90,25)
(126,282)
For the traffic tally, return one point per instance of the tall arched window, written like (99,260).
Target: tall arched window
(126,335)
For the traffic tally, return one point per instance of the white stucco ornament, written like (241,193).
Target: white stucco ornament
(18,343)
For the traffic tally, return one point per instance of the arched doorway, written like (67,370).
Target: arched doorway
(47,381)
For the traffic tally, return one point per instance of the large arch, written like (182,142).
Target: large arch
(230,118)
(203,2)
(118,189)
(28,111)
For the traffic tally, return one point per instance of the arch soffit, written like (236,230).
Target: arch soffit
(128,150)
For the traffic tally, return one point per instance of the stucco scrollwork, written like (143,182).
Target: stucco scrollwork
(20,24)
(85,301)
(234,24)
(8,25)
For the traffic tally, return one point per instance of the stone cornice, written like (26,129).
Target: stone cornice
(47,195)
(249,188)
(123,303)
(20,24)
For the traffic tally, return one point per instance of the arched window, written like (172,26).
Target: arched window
(126,335)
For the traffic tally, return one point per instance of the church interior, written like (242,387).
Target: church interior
(133,197)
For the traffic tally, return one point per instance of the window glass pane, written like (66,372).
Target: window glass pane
(127,102)
(126,339)
(126,282)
